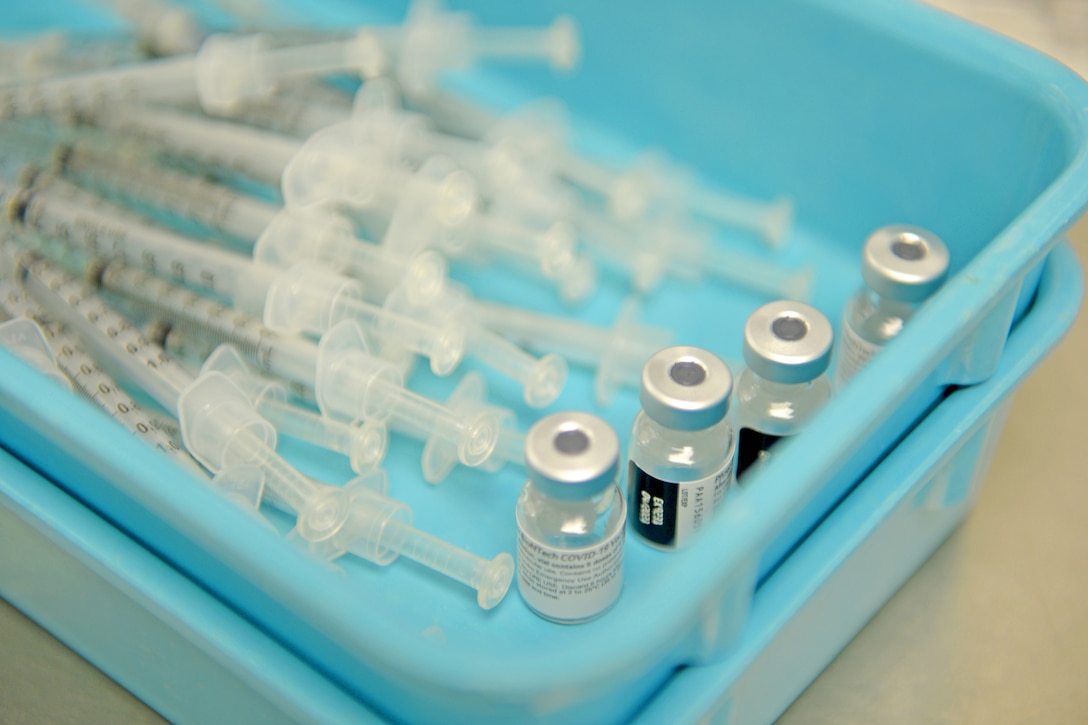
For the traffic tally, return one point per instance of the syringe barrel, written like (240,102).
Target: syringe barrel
(260,154)
(213,205)
(70,214)
(166,80)
(208,321)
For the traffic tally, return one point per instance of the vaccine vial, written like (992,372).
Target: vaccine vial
(787,348)
(681,457)
(570,518)
(902,266)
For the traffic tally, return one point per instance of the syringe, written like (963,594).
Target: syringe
(297,299)
(349,384)
(223,432)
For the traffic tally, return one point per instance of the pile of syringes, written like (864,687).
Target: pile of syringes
(225,238)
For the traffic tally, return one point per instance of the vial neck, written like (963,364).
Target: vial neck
(783,391)
(598,501)
(887,306)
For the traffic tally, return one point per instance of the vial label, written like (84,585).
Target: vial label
(854,354)
(570,585)
(753,447)
(670,513)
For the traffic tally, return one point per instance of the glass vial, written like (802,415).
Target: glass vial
(787,347)
(570,518)
(902,266)
(681,458)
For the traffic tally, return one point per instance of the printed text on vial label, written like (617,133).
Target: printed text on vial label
(570,583)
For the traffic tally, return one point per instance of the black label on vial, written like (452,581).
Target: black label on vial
(653,506)
(750,443)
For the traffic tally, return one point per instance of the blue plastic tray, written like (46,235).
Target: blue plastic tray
(866,114)
(193,659)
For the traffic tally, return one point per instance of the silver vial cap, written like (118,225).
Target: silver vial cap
(787,342)
(904,263)
(572,455)
(685,388)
